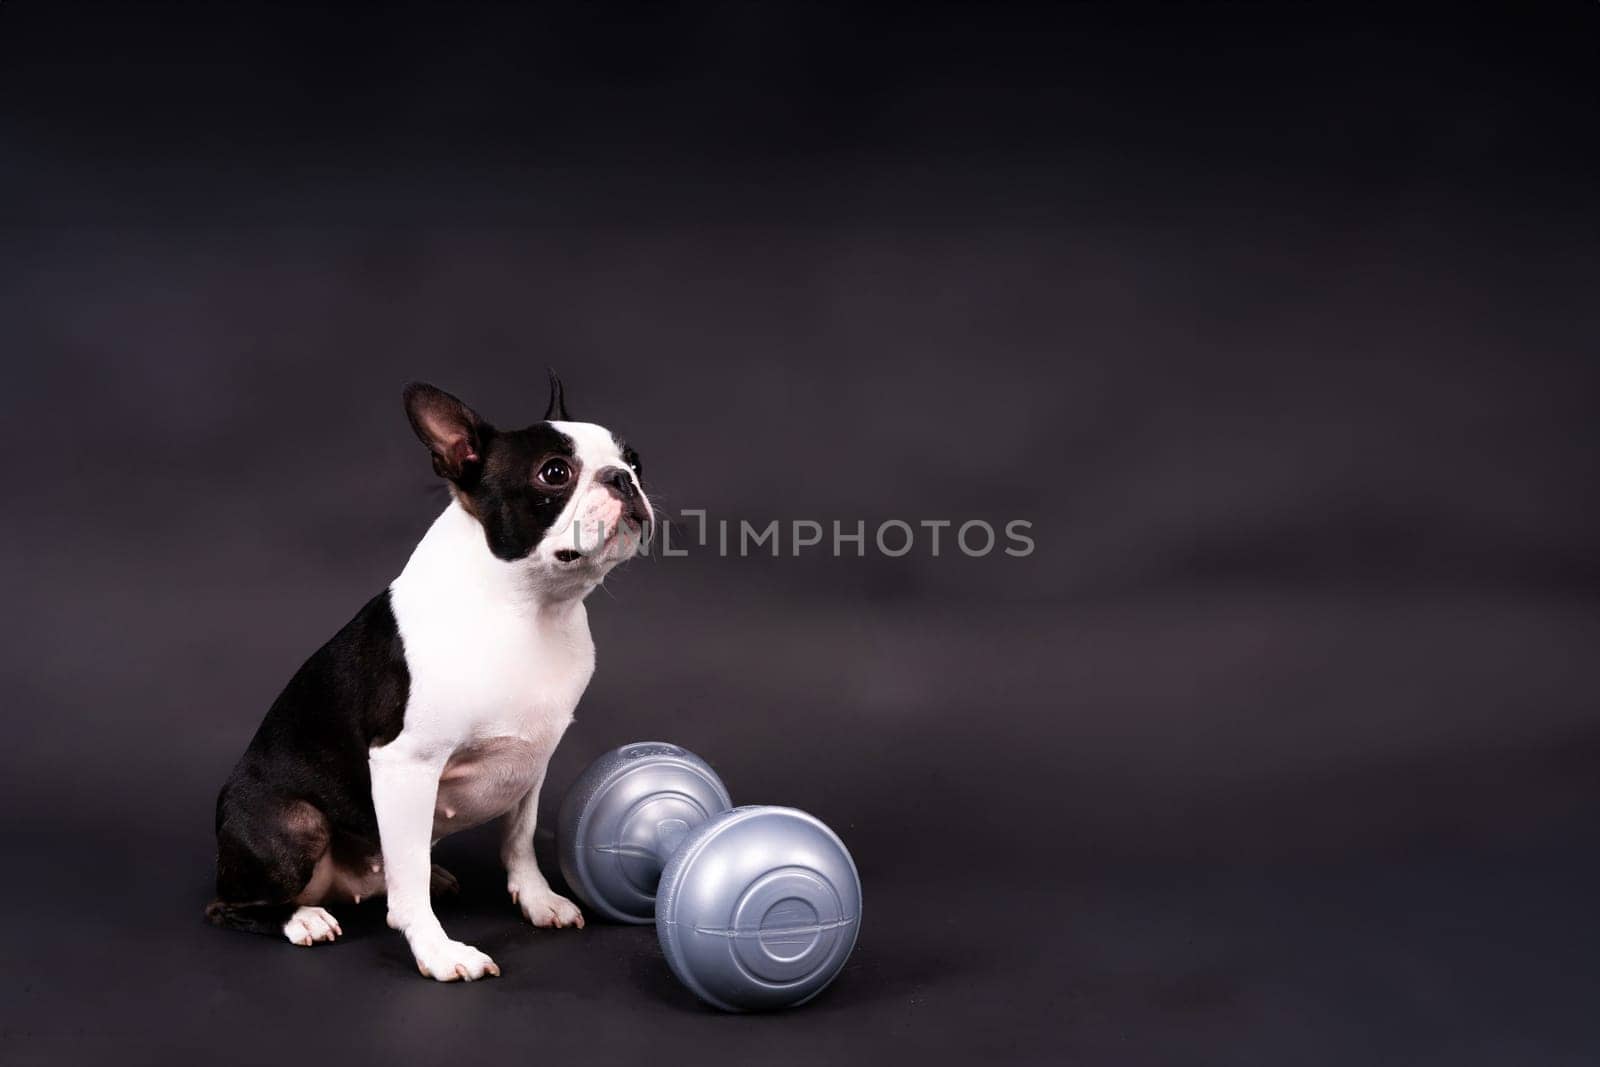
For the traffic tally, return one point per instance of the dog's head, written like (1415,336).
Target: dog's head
(559,496)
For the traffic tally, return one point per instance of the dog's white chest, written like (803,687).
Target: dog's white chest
(484,662)
(492,695)
(496,673)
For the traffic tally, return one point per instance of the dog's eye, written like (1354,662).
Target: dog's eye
(555,473)
(632,460)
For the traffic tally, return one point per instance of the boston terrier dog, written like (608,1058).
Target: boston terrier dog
(437,707)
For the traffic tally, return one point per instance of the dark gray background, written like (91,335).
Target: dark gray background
(1280,329)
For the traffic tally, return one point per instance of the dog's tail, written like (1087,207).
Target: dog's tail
(265,919)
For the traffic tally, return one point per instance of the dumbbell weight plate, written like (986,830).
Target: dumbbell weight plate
(625,816)
(759,908)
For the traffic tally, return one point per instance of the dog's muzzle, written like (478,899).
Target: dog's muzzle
(619,481)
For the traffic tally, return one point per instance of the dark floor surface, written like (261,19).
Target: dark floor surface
(1435,907)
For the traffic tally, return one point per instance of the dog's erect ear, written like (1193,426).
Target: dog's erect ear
(452,431)
(558,401)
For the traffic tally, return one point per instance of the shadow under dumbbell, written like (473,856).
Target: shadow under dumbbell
(874,976)
(648,972)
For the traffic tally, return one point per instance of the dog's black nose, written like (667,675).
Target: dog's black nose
(618,479)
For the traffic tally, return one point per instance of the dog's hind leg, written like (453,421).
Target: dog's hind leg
(269,851)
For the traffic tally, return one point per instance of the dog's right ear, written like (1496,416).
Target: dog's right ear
(454,434)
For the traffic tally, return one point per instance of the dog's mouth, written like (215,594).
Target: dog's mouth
(615,542)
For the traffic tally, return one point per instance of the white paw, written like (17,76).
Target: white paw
(542,906)
(309,925)
(445,960)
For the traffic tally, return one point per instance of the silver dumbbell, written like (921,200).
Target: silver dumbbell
(755,907)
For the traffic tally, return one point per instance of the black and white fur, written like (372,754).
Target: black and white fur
(437,707)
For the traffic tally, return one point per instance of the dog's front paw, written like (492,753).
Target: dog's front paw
(541,905)
(445,960)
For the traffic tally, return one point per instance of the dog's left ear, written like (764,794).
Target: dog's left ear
(452,431)
(558,401)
